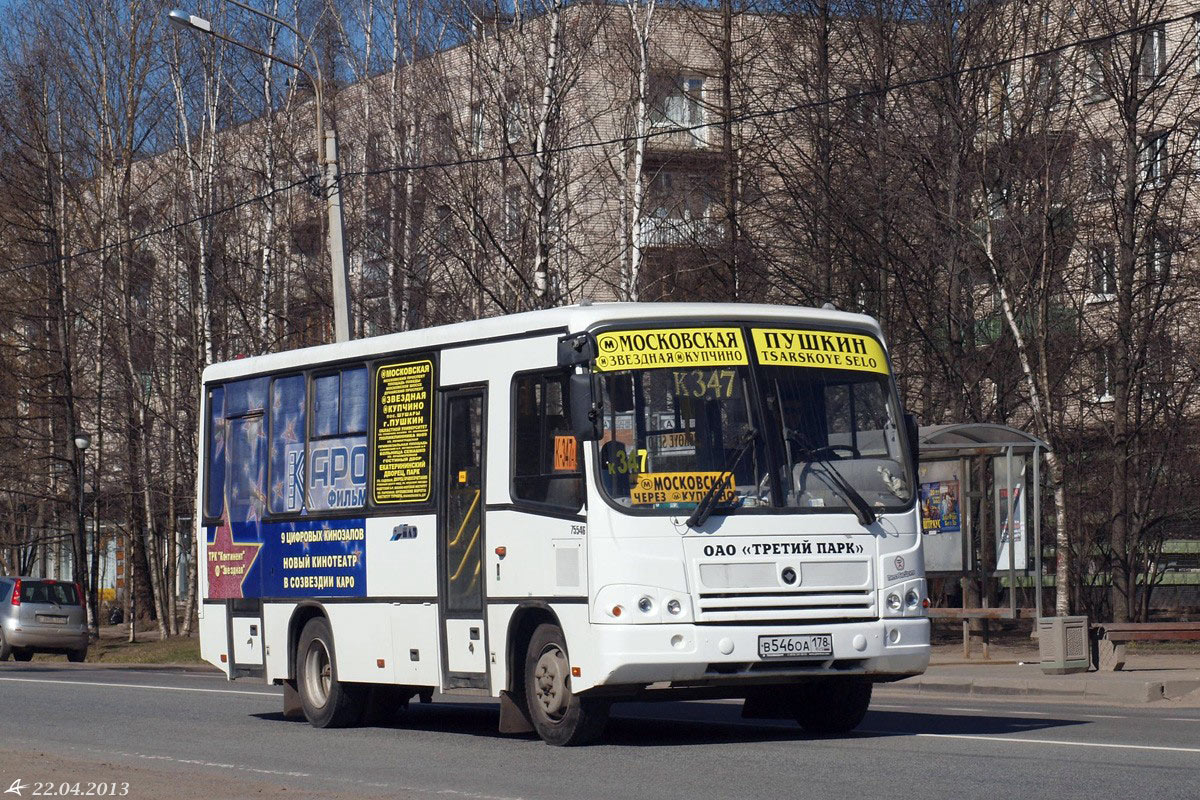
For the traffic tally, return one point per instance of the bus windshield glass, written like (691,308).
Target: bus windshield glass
(791,427)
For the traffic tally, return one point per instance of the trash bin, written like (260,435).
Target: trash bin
(1063,645)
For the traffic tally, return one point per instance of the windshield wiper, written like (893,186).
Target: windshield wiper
(836,481)
(708,501)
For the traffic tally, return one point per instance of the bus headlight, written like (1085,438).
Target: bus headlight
(912,599)
(673,607)
(645,605)
(893,602)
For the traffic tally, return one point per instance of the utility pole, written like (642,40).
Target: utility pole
(727,149)
(327,156)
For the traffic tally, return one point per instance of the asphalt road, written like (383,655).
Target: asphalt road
(173,734)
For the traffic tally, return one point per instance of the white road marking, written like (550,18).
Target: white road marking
(141,686)
(1020,740)
(289,774)
(1103,716)
(1181,719)
(1029,713)
(886,705)
(969,710)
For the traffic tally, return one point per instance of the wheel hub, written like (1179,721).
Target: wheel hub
(551,682)
(318,673)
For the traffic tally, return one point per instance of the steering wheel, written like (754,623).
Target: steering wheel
(825,451)
(833,448)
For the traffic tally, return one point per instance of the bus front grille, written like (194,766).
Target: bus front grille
(798,606)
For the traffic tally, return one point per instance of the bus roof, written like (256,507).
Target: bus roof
(566,319)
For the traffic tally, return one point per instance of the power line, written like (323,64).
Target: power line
(773,112)
(174,226)
(620,140)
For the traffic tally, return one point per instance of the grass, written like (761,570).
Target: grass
(114,648)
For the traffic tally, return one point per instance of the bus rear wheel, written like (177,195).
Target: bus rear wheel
(832,706)
(327,702)
(560,717)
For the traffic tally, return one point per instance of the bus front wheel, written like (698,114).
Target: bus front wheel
(832,706)
(559,716)
(327,702)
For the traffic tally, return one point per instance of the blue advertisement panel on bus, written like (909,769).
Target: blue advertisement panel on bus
(299,558)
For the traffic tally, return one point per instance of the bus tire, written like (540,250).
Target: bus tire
(5,647)
(22,654)
(77,656)
(327,702)
(832,706)
(560,717)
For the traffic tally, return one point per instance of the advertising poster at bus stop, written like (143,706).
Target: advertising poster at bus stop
(941,515)
(1004,489)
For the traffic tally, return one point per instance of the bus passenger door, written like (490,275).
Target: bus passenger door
(460,538)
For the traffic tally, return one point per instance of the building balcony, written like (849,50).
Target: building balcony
(679,232)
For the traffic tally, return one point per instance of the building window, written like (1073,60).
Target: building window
(514,125)
(1097,85)
(1105,361)
(1100,169)
(1153,159)
(1049,81)
(1196,43)
(678,104)
(512,213)
(1103,268)
(1154,53)
(477,128)
(547,459)
(1158,257)
(442,226)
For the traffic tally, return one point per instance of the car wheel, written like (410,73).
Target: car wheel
(5,649)
(559,716)
(832,706)
(77,656)
(327,702)
(21,654)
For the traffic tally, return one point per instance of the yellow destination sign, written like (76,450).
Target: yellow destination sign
(679,487)
(670,347)
(824,349)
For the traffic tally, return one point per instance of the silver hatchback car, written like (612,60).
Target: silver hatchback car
(41,616)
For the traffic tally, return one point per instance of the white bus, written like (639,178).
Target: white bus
(567,508)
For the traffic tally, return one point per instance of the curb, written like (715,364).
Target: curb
(1124,691)
(205,669)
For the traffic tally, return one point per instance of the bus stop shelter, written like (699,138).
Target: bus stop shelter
(949,455)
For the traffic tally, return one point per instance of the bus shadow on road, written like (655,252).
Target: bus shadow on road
(700,723)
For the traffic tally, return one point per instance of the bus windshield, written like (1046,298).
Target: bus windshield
(780,432)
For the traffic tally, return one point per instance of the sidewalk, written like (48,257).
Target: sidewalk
(1015,673)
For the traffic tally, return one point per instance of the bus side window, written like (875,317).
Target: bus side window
(247,452)
(335,471)
(289,402)
(214,503)
(547,459)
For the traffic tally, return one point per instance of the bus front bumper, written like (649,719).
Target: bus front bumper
(691,655)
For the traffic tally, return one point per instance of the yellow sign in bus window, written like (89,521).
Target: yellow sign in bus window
(670,347)
(823,349)
(403,431)
(680,487)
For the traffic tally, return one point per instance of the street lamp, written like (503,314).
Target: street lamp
(327,154)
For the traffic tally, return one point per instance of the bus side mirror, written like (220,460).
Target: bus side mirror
(914,437)
(586,422)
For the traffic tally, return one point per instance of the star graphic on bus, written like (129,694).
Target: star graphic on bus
(228,563)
